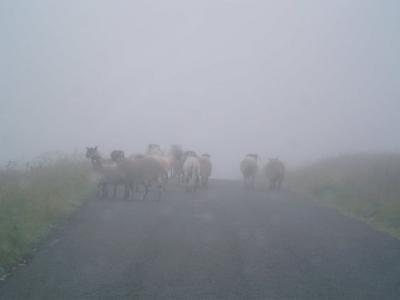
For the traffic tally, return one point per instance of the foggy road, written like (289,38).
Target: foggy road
(223,243)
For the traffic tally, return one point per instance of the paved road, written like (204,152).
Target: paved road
(223,243)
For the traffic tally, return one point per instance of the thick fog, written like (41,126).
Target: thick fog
(295,79)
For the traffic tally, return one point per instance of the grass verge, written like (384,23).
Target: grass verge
(364,186)
(33,200)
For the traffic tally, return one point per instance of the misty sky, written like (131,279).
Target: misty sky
(295,79)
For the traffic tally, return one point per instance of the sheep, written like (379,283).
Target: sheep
(275,172)
(117,155)
(176,153)
(109,173)
(191,171)
(143,170)
(205,169)
(154,150)
(249,169)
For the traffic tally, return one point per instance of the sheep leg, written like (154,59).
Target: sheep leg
(192,183)
(104,191)
(182,178)
(115,191)
(99,193)
(146,190)
(164,181)
(197,182)
(134,188)
(127,190)
(160,189)
(106,188)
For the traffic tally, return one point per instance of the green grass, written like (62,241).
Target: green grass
(365,186)
(35,199)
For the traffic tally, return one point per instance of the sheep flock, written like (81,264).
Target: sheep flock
(138,173)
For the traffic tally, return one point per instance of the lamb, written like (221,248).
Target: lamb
(275,172)
(249,169)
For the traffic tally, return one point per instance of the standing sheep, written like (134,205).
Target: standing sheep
(166,161)
(176,152)
(205,169)
(249,169)
(145,171)
(191,171)
(275,172)
(117,155)
(154,149)
(109,173)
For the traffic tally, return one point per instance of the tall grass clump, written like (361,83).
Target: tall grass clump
(34,198)
(366,186)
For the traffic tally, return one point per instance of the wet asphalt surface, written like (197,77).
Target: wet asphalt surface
(223,243)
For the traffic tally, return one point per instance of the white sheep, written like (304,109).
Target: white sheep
(109,173)
(249,169)
(191,171)
(275,172)
(205,168)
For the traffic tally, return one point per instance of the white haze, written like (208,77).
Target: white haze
(296,79)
